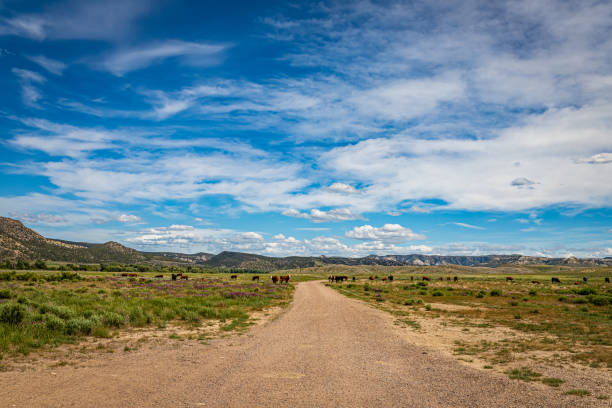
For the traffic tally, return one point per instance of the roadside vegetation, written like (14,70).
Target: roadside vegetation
(492,322)
(39,309)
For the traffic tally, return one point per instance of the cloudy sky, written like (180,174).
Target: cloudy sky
(335,128)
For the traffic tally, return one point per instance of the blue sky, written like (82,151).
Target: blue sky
(334,128)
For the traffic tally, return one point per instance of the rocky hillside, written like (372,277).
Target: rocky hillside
(19,242)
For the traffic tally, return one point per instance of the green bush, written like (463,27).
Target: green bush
(12,313)
(52,322)
(495,292)
(437,293)
(80,325)
(599,300)
(5,294)
(480,295)
(60,311)
(585,291)
(112,319)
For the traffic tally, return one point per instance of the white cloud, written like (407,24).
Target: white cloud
(29,92)
(470,226)
(128,218)
(123,61)
(522,182)
(107,20)
(342,188)
(315,215)
(600,158)
(388,233)
(51,65)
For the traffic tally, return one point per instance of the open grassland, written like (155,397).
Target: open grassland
(39,310)
(551,333)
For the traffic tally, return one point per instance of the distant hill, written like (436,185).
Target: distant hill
(19,242)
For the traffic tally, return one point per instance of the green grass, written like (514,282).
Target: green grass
(53,309)
(553,382)
(523,374)
(578,393)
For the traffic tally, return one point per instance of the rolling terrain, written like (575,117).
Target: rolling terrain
(17,242)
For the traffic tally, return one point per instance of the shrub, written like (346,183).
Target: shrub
(553,382)
(579,393)
(524,374)
(6,294)
(12,313)
(480,295)
(532,292)
(599,300)
(112,319)
(562,298)
(514,303)
(495,292)
(580,301)
(585,291)
(53,322)
(60,311)
(437,293)
(422,284)
(427,307)
(80,325)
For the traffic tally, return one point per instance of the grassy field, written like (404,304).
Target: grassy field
(40,309)
(507,325)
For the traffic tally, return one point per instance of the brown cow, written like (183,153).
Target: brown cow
(159,276)
(535,282)
(184,277)
(509,279)
(448,278)
(285,278)
(371,277)
(124,274)
(132,274)
(441,278)
(577,283)
(455,279)
(384,279)
(256,278)
(234,277)
(425,278)
(412,278)
(274,279)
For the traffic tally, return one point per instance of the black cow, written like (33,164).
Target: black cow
(607,280)
(584,279)
(555,280)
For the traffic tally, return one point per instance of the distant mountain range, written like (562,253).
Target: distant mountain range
(17,242)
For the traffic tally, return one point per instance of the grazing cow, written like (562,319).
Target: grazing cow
(285,278)
(371,277)
(275,279)
(390,278)
(353,279)
(124,274)
(455,279)
(584,279)
(331,278)
(425,278)
(441,278)
(509,279)
(255,278)
(412,278)
(607,280)
(132,275)
(448,278)
(234,277)
(184,277)
(577,283)
(555,280)
(339,278)
(384,279)
(535,282)
(174,276)
(159,276)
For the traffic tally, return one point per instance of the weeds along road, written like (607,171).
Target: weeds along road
(325,351)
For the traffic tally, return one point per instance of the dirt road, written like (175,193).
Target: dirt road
(325,351)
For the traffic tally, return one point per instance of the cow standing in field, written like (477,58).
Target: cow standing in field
(584,279)
(425,278)
(412,278)
(448,278)
(274,279)
(390,278)
(371,277)
(174,276)
(384,279)
(441,278)
(535,282)
(555,280)
(184,277)
(455,279)
(509,279)
(234,277)
(159,276)
(607,280)
(285,278)
(331,278)
(255,278)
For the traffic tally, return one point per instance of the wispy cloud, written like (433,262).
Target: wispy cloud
(126,60)
(70,19)
(465,225)
(29,92)
(51,65)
